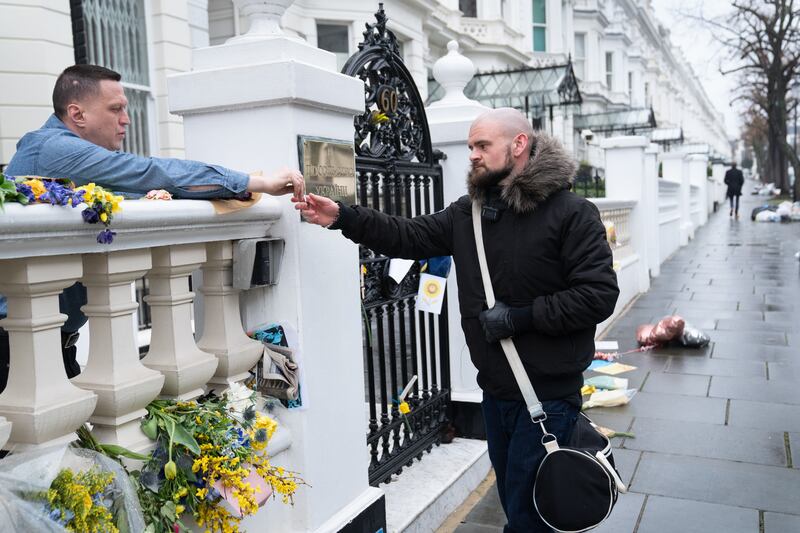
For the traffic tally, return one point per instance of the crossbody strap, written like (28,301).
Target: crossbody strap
(531,401)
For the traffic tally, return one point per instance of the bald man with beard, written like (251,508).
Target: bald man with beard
(551,269)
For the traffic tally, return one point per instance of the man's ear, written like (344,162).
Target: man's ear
(521,144)
(75,115)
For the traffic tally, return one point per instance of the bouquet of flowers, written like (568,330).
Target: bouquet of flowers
(101,205)
(66,489)
(209,463)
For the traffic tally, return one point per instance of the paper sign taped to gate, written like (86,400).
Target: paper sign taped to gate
(431,293)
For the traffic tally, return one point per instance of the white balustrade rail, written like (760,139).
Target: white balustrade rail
(44,249)
(669,218)
(617,212)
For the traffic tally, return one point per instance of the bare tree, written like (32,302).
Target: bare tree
(763,40)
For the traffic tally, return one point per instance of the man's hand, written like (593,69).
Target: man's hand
(318,209)
(284,181)
(496,322)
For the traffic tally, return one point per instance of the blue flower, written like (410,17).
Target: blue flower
(90,216)
(55,514)
(56,193)
(106,236)
(26,191)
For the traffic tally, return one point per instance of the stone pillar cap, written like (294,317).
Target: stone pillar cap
(453,72)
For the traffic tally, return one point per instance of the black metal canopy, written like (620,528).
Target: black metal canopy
(629,121)
(525,88)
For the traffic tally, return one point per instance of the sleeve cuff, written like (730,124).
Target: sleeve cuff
(522,318)
(347,217)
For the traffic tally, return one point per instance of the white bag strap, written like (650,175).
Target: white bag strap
(531,401)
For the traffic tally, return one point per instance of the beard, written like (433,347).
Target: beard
(483,177)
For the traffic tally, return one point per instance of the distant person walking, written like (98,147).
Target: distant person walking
(734,179)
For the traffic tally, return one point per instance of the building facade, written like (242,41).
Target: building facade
(620,54)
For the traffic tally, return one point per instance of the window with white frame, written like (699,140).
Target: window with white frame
(610,70)
(115,37)
(579,62)
(334,38)
(539,26)
(469,8)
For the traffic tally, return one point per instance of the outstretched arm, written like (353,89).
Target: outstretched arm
(410,238)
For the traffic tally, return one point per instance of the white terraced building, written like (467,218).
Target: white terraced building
(621,56)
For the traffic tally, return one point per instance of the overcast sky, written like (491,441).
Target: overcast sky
(704,54)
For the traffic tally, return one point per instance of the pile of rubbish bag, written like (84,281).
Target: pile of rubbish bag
(783,212)
(671,329)
(768,189)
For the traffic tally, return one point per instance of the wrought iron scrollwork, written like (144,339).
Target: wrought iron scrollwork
(393,125)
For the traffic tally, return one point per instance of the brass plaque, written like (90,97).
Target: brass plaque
(329,168)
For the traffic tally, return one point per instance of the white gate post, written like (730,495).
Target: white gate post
(449,120)
(259,93)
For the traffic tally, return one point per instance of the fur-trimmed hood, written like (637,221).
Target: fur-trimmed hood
(549,169)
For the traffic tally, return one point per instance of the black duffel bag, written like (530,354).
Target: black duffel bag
(577,485)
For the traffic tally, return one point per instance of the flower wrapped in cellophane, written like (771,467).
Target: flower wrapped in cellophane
(63,488)
(210,463)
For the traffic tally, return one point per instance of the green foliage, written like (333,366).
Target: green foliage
(8,192)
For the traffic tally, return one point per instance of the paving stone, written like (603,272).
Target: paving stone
(763,415)
(753,352)
(716,367)
(725,296)
(684,307)
(781,523)
(625,515)
(713,441)
(488,511)
(671,407)
(766,307)
(625,462)
(755,389)
(728,324)
(794,449)
(469,527)
(769,488)
(677,384)
(784,372)
(670,515)
(771,338)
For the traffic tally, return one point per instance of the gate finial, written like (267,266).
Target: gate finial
(377,34)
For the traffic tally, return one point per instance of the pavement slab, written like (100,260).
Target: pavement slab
(756,389)
(769,488)
(686,516)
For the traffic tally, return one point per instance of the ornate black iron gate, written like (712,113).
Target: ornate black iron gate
(398,173)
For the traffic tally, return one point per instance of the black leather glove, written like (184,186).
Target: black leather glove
(496,322)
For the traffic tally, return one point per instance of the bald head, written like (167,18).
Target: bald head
(500,142)
(509,122)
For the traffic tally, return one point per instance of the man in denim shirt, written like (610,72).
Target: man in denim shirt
(81,141)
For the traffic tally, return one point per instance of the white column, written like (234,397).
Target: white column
(650,196)
(223,334)
(124,386)
(449,120)
(673,168)
(698,172)
(625,180)
(39,400)
(259,95)
(719,188)
(173,351)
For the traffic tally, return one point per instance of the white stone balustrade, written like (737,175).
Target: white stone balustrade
(44,249)
(123,385)
(222,325)
(674,169)
(39,400)
(173,351)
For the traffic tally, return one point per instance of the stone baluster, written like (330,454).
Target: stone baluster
(39,400)
(223,334)
(173,351)
(124,386)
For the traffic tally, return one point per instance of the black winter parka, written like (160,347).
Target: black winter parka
(547,250)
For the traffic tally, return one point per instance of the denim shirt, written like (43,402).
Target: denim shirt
(54,151)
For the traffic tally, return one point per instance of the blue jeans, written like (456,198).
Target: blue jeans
(516,450)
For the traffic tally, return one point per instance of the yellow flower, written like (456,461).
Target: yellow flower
(201,493)
(103,217)
(404,408)
(37,187)
(179,509)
